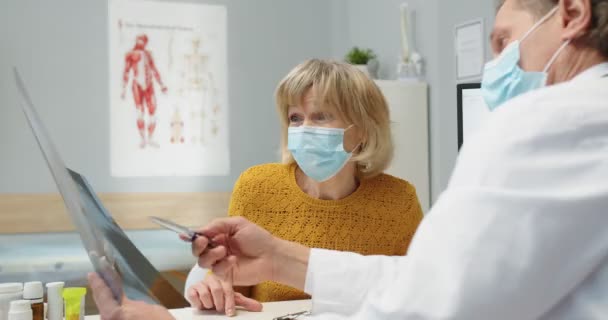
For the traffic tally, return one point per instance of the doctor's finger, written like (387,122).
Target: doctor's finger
(199,245)
(211,257)
(185,237)
(224,268)
(226,226)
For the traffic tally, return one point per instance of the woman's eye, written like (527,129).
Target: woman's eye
(323,117)
(294,118)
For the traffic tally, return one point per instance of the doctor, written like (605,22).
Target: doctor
(521,231)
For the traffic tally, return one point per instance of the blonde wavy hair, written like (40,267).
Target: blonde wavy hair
(343,89)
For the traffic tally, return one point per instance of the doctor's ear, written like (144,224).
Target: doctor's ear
(576,17)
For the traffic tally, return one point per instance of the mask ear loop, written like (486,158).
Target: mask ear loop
(357,146)
(556,55)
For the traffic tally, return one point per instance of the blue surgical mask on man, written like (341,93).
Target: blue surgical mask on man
(319,152)
(503,78)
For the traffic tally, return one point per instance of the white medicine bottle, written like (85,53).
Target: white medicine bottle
(20,310)
(9,292)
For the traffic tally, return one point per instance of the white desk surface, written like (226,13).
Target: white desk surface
(271,310)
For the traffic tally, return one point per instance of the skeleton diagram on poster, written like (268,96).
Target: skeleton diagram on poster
(168,80)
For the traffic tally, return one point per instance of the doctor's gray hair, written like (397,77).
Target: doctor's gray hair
(597,36)
(537,7)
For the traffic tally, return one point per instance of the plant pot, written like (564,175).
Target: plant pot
(373,66)
(363,68)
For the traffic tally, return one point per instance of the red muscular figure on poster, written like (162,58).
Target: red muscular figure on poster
(141,62)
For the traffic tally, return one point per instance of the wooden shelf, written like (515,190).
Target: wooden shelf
(38,213)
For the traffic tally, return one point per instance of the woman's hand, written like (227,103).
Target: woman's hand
(109,309)
(213,293)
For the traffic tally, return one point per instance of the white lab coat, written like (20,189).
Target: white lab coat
(520,233)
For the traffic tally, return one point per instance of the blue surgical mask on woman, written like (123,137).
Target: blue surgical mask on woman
(504,80)
(319,152)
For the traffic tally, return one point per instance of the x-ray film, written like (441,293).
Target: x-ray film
(122,266)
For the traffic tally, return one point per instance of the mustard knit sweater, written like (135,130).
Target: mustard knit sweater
(379,218)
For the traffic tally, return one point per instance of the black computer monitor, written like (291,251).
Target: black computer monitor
(472,110)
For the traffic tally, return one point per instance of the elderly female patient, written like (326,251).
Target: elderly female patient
(330,191)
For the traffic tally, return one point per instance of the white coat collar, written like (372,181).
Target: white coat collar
(597,71)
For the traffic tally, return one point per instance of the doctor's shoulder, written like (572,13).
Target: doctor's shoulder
(540,112)
(538,124)
(558,109)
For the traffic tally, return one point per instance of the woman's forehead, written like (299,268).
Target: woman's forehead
(309,107)
(307,101)
(310,104)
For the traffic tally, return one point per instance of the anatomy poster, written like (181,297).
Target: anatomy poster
(168,87)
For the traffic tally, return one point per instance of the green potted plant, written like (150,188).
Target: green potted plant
(363,59)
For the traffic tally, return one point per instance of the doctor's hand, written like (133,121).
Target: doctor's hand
(214,293)
(109,309)
(249,254)
(241,248)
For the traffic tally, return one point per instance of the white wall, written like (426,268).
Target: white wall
(375,24)
(61,48)
(452,13)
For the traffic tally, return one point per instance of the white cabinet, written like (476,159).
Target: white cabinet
(408,104)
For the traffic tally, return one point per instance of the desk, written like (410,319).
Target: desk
(271,310)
